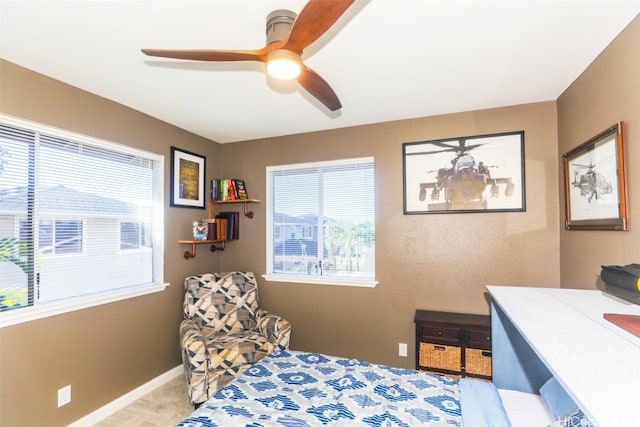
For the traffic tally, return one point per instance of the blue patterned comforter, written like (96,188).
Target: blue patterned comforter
(290,388)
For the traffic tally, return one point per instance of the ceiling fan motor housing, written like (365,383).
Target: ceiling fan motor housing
(279,24)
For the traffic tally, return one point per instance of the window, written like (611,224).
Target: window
(134,235)
(321,223)
(56,236)
(69,207)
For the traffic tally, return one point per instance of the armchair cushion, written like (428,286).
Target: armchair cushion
(237,349)
(218,303)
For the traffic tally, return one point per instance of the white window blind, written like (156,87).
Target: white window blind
(78,216)
(321,222)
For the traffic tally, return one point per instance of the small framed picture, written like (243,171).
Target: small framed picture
(187,179)
(483,173)
(595,189)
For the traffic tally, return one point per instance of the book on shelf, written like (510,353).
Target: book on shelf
(225,189)
(221,228)
(241,189)
(228,189)
(212,231)
(215,189)
(232,190)
(233,224)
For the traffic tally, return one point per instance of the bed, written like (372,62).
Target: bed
(290,388)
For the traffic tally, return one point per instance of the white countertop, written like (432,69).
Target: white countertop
(597,362)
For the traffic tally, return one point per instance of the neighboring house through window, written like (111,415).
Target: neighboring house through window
(321,222)
(71,209)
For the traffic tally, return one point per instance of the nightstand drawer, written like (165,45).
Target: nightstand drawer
(448,333)
(478,361)
(440,356)
(479,338)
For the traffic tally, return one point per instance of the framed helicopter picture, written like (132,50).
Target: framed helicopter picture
(595,190)
(482,173)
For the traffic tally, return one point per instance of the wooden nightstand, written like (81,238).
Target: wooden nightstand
(453,343)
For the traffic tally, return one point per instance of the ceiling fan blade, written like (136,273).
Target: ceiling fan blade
(319,88)
(208,55)
(313,21)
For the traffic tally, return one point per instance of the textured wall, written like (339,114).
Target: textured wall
(607,92)
(440,262)
(109,350)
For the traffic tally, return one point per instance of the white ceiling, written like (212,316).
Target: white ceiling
(385,59)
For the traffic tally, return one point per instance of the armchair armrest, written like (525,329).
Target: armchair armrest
(196,360)
(274,327)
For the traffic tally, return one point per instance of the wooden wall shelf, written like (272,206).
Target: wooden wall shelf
(216,245)
(247,212)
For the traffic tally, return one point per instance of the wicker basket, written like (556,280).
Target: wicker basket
(478,361)
(440,356)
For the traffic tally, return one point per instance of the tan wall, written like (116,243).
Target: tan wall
(440,262)
(607,92)
(106,351)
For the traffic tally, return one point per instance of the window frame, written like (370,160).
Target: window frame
(51,308)
(309,279)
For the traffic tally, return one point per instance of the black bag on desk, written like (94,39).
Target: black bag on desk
(622,281)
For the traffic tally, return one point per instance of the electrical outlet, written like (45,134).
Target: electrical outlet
(64,395)
(402,349)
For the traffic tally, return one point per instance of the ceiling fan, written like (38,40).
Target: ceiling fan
(287,37)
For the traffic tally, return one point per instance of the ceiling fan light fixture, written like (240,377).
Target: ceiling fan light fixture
(283,64)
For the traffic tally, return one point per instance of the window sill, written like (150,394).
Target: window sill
(314,280)
(27,314)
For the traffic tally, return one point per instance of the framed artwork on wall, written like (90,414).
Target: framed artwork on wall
(595,188)
(187,179)
(483,173)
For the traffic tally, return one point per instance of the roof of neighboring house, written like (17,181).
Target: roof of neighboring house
(64,200)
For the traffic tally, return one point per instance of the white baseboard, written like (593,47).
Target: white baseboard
(116,405)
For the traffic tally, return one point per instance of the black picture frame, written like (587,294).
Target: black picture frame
(188,171)
(469,174)
(595,183)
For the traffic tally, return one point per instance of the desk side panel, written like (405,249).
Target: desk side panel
(515,365)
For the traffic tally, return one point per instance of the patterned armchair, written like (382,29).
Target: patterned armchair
(224,332)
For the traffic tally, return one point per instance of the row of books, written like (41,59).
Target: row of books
(225,226)
(228,189)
